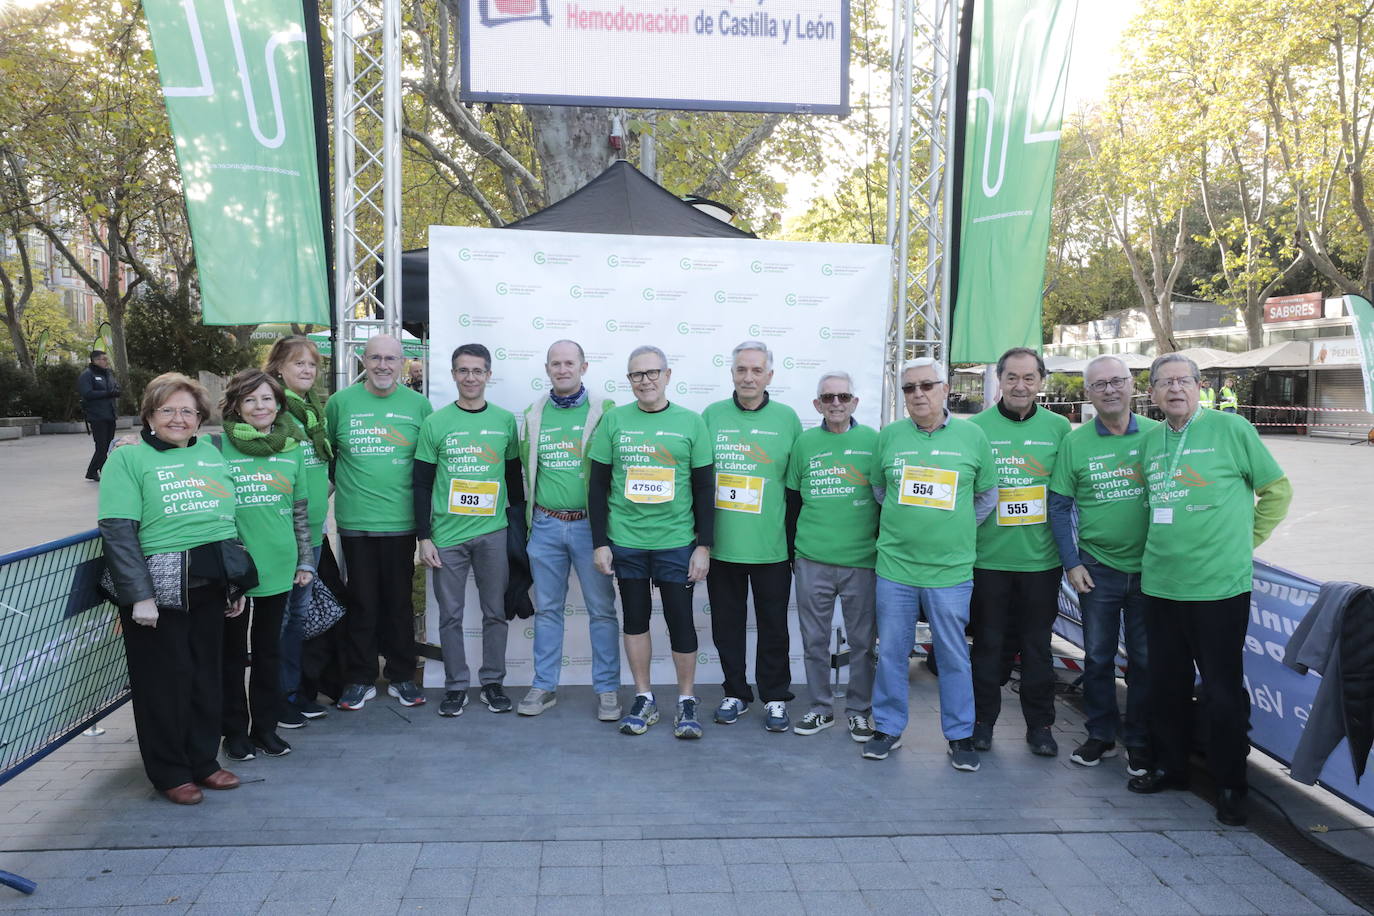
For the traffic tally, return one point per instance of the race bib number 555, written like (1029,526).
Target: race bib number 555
(933,488)
(1021,506)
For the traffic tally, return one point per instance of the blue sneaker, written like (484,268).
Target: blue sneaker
(642,714)
(777,720)
(685,725)
(355,695)
(729,710)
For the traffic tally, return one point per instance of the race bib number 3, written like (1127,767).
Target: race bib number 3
(933,488)
(649,485)
(736,493)
(1021,506)
(473,497)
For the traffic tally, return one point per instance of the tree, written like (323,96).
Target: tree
(166,335)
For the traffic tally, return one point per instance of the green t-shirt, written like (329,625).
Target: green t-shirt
(926,532)
(561,479)
(1202,483)
(1105,477)
(751,450)
(834,474)
(265,490)
(1017,536)
(651,457)
(181,497)
(469,451)
(374,442)
(316,481)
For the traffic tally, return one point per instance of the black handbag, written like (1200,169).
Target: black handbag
(239,570)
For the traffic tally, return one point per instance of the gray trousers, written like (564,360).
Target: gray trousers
(485,555)
(818,585)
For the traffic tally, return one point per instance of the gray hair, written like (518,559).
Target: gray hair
(1104,358)
(834,373)
(753,345)
(1167,358)
(647,348)
(924,361)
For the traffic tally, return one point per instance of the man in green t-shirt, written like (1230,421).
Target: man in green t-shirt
(938,481)
(830,490)
(554,447)
(1016,578)
(466,474)
(1101,477)
(1204,470)
(649,502)
(752,438)
(373,427)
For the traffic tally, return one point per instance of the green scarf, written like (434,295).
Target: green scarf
(309,413)
(259,444)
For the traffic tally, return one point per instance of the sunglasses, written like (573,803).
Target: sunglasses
(844,397)
(927,387)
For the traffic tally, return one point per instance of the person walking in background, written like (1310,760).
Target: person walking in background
(99,403)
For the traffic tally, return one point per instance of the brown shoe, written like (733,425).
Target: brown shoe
(184,794)
(220,779)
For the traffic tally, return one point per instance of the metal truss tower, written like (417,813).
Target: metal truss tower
(919,183)
(367,173)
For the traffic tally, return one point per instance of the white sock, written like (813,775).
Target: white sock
(685,696)
(648,696)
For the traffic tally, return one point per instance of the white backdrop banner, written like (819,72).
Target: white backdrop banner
(818,307)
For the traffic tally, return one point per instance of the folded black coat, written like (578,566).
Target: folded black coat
(518,602)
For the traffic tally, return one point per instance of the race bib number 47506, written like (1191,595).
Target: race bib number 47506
(473,497)
(649,485)
(933,488)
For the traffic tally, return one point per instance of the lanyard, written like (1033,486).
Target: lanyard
(1182,441)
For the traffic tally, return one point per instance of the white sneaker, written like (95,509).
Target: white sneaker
(608,706)
(536,701)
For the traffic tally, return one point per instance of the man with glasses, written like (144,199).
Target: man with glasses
(467,471)
(650,506)
(830,477)
(1016,578)
(554,448)
(753,437)
(373,426)
(1215,494)
(1100,476)
(938,484)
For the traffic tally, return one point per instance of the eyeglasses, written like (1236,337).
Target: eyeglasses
(466,372)
(1183,383)
(1102,385)
(844,397)
(377,358)
(649,374)
(167,413)
(927,387)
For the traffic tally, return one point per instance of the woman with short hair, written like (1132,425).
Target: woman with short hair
(167,520)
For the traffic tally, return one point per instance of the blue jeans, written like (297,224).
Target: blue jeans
(947,613)
(293,631)
(555,548)
(1115,594)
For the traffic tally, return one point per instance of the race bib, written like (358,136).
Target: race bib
(934,488)
(473,497)
(649,485)
(1021,505)
(736,493)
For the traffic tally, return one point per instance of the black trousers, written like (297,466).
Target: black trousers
(728,586)
(102,431)
(1010,614)
(380,618)
(1212,635)
(174,676)
(256,710)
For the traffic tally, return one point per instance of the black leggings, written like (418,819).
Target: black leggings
(677,611)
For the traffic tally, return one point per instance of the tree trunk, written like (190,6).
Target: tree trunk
(21,346)
(572,146)
(114,311)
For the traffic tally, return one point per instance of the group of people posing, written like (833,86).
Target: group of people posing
(972,524)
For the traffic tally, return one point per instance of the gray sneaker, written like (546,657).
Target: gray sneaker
(861,728)
(608,706)
(536,701)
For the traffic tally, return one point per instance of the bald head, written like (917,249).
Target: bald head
(382,363)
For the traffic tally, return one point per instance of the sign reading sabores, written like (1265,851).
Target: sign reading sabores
(721,55)
(1293,308)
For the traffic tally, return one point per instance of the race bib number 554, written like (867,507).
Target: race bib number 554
(933,488)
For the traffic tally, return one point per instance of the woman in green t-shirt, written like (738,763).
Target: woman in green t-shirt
(167,503)
(272,514)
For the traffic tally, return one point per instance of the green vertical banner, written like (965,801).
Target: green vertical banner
(236,78)
(1018,71)
(1362,315)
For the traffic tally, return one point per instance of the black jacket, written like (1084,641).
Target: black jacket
(99,393)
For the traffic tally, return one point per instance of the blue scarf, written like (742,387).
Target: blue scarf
(572,400)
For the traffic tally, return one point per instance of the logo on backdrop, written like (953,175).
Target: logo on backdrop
(504,12)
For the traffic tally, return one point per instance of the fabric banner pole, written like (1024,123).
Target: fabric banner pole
(1018,71)
(1362,313)
(237,85)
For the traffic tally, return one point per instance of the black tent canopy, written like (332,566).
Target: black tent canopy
(621,200)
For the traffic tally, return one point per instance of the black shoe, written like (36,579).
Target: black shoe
(495,698)
(290,717)
(880,745)
(982,736)
(270,744)
(1139,761)
(1093,751)
(453,703)
(1157,781)
(1042,743)
(1231,807)
(238,747)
